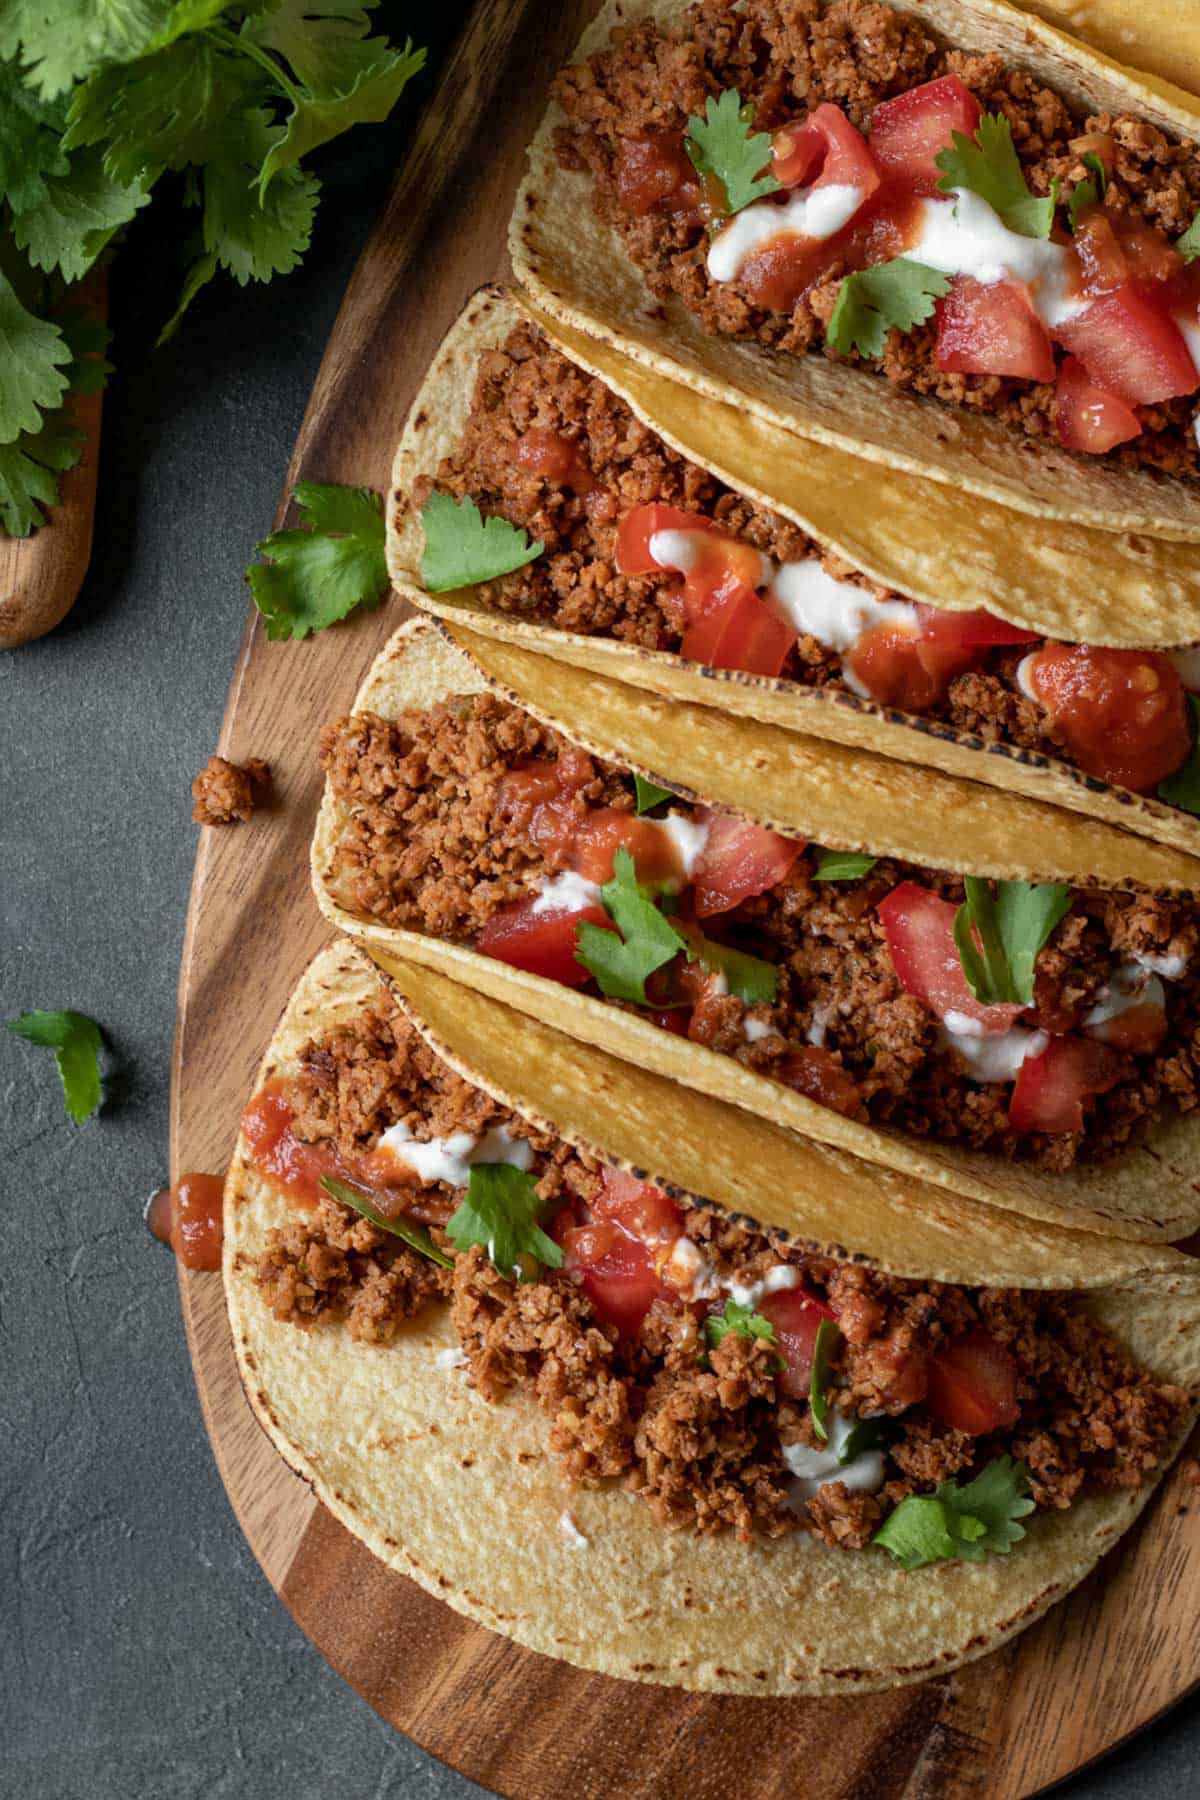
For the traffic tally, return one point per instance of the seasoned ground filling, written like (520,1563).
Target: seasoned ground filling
(225,792)
(433,843)
(786,55)
(698,1432)
(527,386)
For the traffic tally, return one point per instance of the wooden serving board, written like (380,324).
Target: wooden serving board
(1101,1666)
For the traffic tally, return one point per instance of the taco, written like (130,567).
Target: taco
(629,1424)
(941,235)
(716,943)
(513,454)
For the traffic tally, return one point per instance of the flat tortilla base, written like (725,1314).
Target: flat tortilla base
(460,1495)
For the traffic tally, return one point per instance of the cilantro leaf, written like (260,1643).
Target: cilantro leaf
(164,111)
(415,1236)
(320,572)
(724,149)
(78,214)
(60,44)
(649,794)
(33,353)
(841,865)
(749,977)
(647,939)
(893,295)
(1087,193)
(30,146)
(462,547)
(500,1212)
(999,937)
(960,1521)
(316,119)
(1188,245)
(29,470)
(251,237)
(825,1343)
(743,1321)
(75,1040)
(988,165)
(1183,787)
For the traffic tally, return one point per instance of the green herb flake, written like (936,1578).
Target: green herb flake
(1188,245)
(754,981)
(463,548)
(725,151)
(826,1342)
(320,572)
(649,794)
(743,1321)
(989,166)
(892,295)
(841,865)
(75,1040)
(999,937)
(500,1212)
(415,1236)
(965,1522)
(622,964)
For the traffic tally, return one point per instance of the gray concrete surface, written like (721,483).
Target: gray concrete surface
(142,1653)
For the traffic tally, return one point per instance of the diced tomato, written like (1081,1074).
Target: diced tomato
(739,632)
(655,173)
(1051,1088)
(739,859)
(796,1316)
(910,669)
(976,630)
(825,149)
(671,1018)
(818,1075)
(601,832)
(992,329)
(542,943)
(973,1385)
(1090,417)
(639,525)
(638,1207)
(1124,713)
(908,132)
(618,1253)
(919,927)
(1128,343)
(623,1283)
(560,459)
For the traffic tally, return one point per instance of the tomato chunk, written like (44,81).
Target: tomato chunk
(542,943)
(919,927)
(619,1251)
(908,132)
(560,459)
(796,1316)
(739,859)
(973,1385)
(1128,342)
(975,630)
(1090,417)
(639,525)
(817,1074)
(655,173)
(739,631)
(992,329)
(1052,1088)
(824,150)
(1123,713)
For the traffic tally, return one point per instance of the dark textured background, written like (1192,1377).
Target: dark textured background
(142,1653)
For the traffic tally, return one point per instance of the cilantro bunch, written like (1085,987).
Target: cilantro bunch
(100,102)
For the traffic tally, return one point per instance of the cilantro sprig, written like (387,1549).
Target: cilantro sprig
(647,939)
(742,1320)
(500,1212)
(988,165)
(965,1522)
(841,865)
(896,295)
(728,154)
(752,980)
(1183,787)
(75,1040)
(999,936)
(415,1236)
(323,569)
(462,547)
(649,794)
(825,1343)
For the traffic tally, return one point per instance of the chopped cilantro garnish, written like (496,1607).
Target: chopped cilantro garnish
(841,865)
(960,1521)
(742,1320)
(319,573)
(415,1236)
(1009,930)
(649,794)
(462,547)
(898,294)
(824,1345)
(500,1213)
(754,981)
(989,166)
(622,964)
(75,1041)
(1188,245)
(725,150)
(1087,193)
(1183,787)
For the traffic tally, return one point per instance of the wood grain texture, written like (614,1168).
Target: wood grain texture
(1099,1667)
(40,576)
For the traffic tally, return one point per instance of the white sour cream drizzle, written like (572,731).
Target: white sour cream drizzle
(1025,677)
(963,235)
(755,1030)
(451,1159)
(1171,968)
(688,836)
(682,550)
(567,892)
(990,1056)
(836,613)
(1132,984)
(816,1465)
(570,1532)
(816,212)
(775,1281)
(690,1271)
(452,1357)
